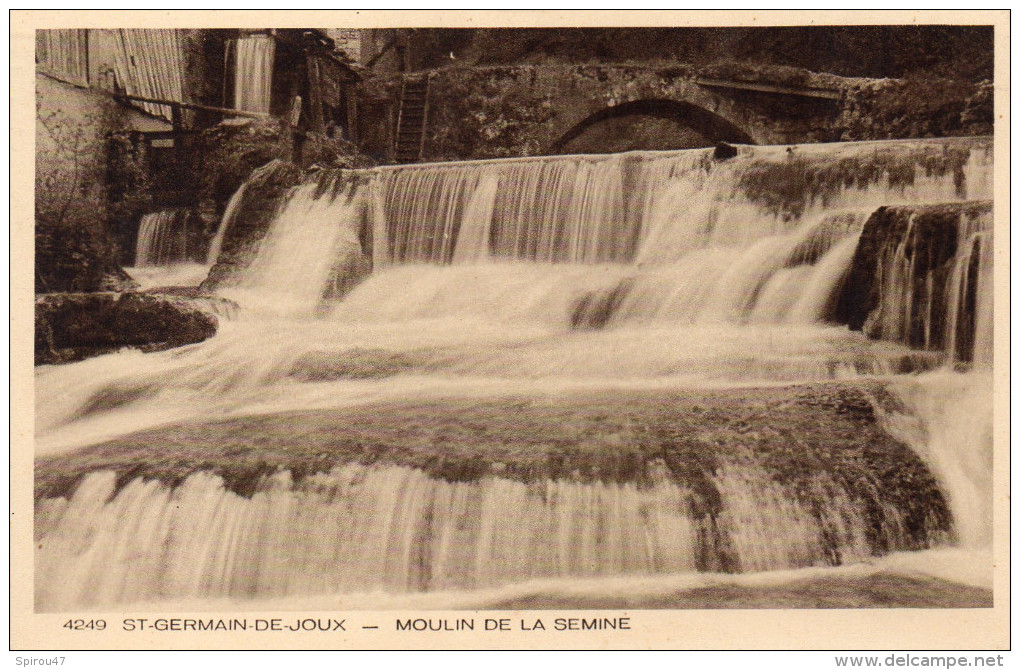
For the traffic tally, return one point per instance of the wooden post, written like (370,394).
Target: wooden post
(182,175)
(176,118)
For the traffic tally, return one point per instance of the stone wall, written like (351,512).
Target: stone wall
(527,110)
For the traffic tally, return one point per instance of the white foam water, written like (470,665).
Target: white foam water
(253,78)
(162,276)
(387,528)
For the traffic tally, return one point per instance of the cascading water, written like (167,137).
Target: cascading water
(317,228)
(562,367)
(166,249)
(226,221)
(395,528)
(162,238)
(253,74)
(969,308)
(928,282)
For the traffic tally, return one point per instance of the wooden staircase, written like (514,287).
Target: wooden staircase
(414,105)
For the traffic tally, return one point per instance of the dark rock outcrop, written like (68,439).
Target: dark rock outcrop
(595,309)
(231,150)
(74,326)
(353,268)
(263,194)
(929,234)
(789,187)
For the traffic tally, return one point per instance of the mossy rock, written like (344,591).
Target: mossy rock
(74,326)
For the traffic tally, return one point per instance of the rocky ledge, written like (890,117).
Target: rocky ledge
(74,326)
(927,239)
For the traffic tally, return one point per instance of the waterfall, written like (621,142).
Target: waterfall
(361,528)
(473,235)
(318,225)
(934,279)
(948,421)
(654,207)
(253,73)
(227,220)
(969,307)
(463,376)
(696,240)
(163,238)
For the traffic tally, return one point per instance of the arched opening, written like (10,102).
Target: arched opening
(649,124)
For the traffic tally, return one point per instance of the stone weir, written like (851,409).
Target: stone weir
(756,228)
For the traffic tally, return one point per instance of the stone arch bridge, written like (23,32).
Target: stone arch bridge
(487,112)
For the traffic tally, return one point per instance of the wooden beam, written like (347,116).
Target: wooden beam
(192,105)
(389,45)
(824,94)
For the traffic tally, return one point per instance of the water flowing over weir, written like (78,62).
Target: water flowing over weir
(560,367)
(361,528)
(309,246)
(216,245)
(167,250)
(163,238)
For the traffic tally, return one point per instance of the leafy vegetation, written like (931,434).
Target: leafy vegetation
(75,250)
(916,108)
(787,188)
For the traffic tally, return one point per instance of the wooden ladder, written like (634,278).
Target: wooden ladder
(414,105)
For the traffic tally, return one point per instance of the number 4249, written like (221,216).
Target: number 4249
(83,624)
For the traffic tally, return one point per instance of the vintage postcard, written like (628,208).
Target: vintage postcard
(524,330)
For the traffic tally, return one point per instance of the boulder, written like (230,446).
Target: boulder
(724,151)
(74,326)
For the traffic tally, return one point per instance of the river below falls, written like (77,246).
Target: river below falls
(575,381)
(427,432)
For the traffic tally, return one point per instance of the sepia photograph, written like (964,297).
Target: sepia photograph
(596,321)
